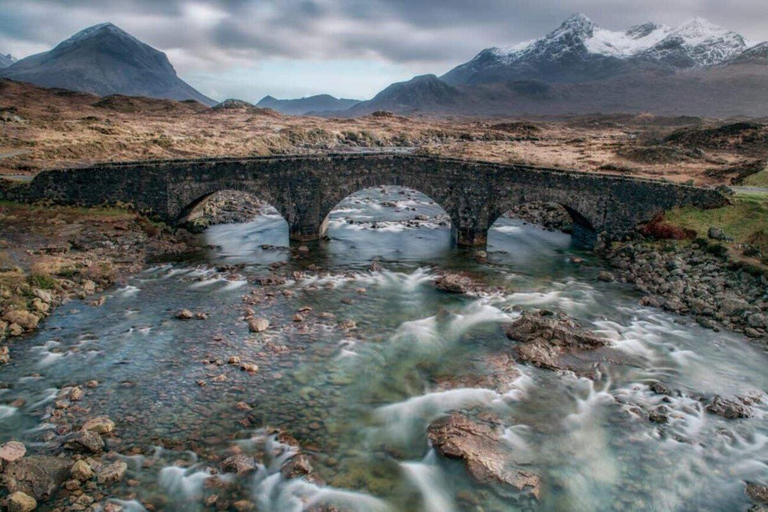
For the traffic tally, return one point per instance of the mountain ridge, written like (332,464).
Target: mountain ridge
(309,104)
(579,50)
(6,60)
(104,60)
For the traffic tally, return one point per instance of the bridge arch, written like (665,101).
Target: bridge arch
(326,218)
(554,215)
(225,207)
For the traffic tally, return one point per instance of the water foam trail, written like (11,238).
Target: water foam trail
(405,420)
(441,331)
(128,291)
(591,467)
(275,493)
(6,411)
(128,505)
(430,480)
(185,484)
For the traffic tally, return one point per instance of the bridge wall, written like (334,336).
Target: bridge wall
(305,189)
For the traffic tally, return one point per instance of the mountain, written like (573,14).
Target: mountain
(426,92)
(318,104)
(6,60)
(105,60)
(695,44)
(757,54)
(579,51)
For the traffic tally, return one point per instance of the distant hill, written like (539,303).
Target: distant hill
(6,60)
(312,104)
(105,60)
(426,92)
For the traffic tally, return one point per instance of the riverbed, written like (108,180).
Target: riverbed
(357,362)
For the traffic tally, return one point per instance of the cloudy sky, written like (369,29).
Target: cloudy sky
(348,48)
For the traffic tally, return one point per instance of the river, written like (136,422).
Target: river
(359,400)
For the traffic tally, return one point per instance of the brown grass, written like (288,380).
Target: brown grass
(61,129)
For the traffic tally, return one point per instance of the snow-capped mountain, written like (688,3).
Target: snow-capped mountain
(578,50)
(6,60)
(696,43)
(104,60)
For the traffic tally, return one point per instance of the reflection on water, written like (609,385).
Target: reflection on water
(360,400)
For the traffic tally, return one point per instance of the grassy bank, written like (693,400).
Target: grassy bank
(745,221)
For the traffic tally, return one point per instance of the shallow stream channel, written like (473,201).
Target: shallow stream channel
(359,360)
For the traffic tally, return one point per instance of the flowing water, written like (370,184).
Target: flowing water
(360,400)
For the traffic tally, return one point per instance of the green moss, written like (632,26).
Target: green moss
(759,179)
(746,220)
(42,281)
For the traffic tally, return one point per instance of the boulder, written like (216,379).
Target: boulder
(758,492)
(81,471)
(111,473)
(20,502)
(454,283)
(240,464)
(100,425)
(43,295)
(23,319)
(258,324)
(717,234)
(729,408)
(545,336)
(37,475)
(185,314)
(605,277)
(84,441)
(12,450)
(486,457)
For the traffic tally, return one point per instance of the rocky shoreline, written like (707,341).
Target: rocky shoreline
(696,279)
(51,255)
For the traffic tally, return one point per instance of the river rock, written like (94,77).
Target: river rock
(501,375)
(21,502)
(486,457)
(544,336)
(249,367)
(43,295)
(12,450)
(258,324)
(758,492)
(85,440)
(185,314)
(37,475)
(240,464)
(23,319)
(604,276)
(454,283)
(100,425)
(111,473)
(729,408)
(299,466)
(81,471)
(75,394)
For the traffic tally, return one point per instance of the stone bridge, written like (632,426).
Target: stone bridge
(305,189)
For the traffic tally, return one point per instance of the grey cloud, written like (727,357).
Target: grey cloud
(432,35)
